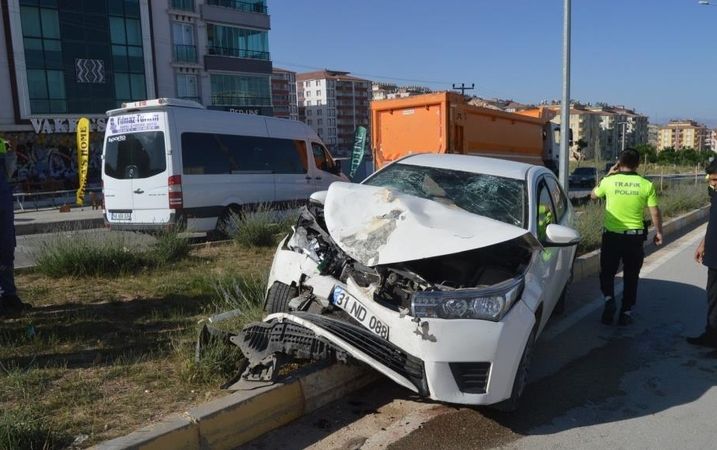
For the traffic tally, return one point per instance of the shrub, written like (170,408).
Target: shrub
(24,428)
(169,247)
(260,227)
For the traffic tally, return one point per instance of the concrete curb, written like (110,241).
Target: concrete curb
(589,263)
(236,419)
(50,227)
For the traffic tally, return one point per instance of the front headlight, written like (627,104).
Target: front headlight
(489,303)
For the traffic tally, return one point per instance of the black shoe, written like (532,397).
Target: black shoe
(13,305)
(608,314)
(703,340)
(625,319)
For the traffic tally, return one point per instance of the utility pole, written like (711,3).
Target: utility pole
(463,88)
(565,104)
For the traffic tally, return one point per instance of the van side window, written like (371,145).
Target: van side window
(210,153)
(322,158)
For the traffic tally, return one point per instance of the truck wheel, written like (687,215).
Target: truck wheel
(277,299)
(521,376)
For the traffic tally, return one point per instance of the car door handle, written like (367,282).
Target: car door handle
(317,178)
(138,191)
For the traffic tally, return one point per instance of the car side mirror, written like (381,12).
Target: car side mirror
(560,236)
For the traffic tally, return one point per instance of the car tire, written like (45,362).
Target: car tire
(559,308)
(521,375)
(277,299)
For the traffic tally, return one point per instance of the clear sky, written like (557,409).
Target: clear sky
(657,56)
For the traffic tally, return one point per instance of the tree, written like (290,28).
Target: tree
(648,153)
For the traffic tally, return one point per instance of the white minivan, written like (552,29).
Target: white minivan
(171,161)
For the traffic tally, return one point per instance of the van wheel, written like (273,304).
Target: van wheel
(521,376)
(277,299)
(228,222)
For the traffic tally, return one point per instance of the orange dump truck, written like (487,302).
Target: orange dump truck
(444,123)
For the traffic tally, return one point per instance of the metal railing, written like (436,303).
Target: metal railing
(237,52)
(183,5)
(185,53)
(257,7)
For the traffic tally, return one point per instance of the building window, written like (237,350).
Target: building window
(320,122)
(183,5)
(317,83)
(318,93)
(308,122)
(183,37)
(43,59)
(187,87)
(309,112)
(319,112)
(308,102)
(241,90)
(127,58)
(246,5)
(237,42)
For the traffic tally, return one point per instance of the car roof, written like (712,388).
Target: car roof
(471,163)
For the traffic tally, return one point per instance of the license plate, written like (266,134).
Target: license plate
(351,305)
(121,215)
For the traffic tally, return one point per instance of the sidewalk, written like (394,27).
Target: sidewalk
(51,219)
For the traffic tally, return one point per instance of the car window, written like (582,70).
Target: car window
(490,196)
(545,214)
(321,158)
(559,200)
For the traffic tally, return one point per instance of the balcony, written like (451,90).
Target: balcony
(257,7)
(185,54)
(238,53)
(182,5)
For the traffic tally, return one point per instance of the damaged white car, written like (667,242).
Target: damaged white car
(438,271)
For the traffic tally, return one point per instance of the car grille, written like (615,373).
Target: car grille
(375,347)
(471,377)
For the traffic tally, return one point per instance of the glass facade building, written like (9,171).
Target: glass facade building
(82,56)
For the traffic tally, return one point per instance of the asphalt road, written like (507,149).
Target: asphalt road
(592,386)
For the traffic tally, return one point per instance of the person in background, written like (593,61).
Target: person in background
(626,195)
(10,303)
(706,254)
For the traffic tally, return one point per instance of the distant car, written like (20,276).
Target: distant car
(439,271)
(585,177)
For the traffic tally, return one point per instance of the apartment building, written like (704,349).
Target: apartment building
(283,94)
(653,132)
(681,134)
(334,104)
(383,91)
(215,52)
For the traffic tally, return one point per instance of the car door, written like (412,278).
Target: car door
(294,180)
(544,215)
(564,216)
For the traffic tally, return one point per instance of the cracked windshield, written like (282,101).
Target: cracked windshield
(490,196)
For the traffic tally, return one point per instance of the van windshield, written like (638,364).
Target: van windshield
(135,155)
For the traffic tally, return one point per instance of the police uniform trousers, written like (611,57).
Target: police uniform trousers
(711,328)
(7,239)
(627,248)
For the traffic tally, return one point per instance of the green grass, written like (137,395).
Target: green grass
(27,428)
(262,227)
(96,254)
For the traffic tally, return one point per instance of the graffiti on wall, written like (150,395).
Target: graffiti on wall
(50,163)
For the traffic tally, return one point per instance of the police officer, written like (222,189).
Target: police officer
(626,195)
(706,254)
(9,301)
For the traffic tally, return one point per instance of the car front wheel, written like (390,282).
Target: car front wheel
(278,297)
(521,375)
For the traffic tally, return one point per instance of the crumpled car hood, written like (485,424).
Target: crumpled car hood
(376,225)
